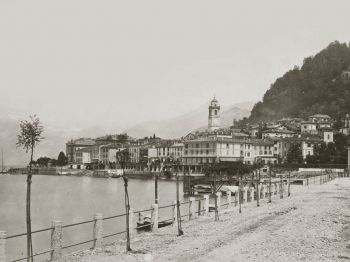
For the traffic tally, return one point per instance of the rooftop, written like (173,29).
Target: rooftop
(320,116)
(278,131)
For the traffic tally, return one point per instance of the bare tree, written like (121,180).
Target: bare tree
(29,137)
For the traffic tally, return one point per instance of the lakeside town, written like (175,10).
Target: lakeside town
(288,140)
(180,131)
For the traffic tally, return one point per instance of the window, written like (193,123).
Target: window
(227,146)
(207,145)
(207,152)
(308,145)
(197,145)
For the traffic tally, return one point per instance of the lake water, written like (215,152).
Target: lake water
(71,200)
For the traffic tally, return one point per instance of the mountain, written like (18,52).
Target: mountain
(56,136)
(182,125)
(321,85)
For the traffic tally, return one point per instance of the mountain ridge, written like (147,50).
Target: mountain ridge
(180,126)
(317,87)
(56,136)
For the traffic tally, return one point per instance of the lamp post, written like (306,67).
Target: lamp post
(122,158)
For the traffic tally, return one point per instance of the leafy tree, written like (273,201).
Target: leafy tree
(122,138)
(43,161)
(331,153)
(262,127)
(62,160)
(316,87)
(53,162)
(30,136)
(338,123)
(294,154)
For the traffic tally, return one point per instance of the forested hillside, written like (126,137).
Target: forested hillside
(319,86)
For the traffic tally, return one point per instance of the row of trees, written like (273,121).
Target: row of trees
(47,161)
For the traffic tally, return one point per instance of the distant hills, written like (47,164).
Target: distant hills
(321,85)
(182,125)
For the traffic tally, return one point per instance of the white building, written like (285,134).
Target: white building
(327,134)
(258,149)
(214,115)
(176,150)
(206,150)
(309,127)
(318,118)
(277,133)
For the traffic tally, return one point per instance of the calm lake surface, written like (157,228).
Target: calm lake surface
(71,200)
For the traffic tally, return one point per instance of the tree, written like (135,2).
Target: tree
(122,138)
(62,159)
(262,127)
(331,153)
(123,159)
(294,154)
(43,161)
(30,136)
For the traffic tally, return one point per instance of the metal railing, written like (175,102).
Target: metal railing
(92,221)
(324,179)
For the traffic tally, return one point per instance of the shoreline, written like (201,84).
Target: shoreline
(311,225)
(96,174)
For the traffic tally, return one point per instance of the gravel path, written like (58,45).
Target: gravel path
(312,225)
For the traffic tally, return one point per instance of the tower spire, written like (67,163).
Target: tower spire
(214,115)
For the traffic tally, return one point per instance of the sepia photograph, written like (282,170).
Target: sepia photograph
(154,131)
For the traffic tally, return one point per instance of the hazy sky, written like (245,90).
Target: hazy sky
(115,63)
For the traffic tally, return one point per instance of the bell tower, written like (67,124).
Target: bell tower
(214,115)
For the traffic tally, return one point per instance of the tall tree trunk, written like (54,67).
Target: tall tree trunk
(127,209)
(179,228)
(28,215)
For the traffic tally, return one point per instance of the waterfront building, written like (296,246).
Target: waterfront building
(206,150)
(259,149)
(77,151)
(176,151)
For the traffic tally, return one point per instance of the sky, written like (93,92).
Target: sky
(117,63)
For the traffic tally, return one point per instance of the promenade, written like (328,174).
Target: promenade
(311,225)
